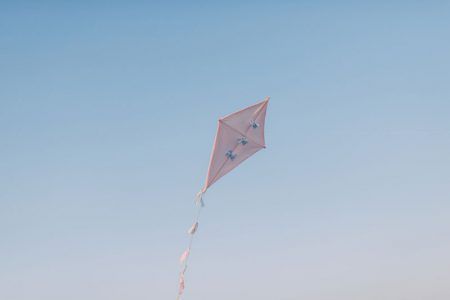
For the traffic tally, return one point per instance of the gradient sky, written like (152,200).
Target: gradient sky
(107,116)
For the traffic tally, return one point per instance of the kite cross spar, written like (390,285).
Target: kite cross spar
(239,136)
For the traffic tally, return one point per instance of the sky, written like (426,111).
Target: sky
(108,112)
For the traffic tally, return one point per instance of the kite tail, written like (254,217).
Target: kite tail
(185,255)
(199,199)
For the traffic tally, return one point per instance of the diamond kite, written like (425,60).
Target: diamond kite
(239,136)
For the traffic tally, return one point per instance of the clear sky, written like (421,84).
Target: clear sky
(107,116)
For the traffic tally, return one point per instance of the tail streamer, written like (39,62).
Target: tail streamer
(184,258)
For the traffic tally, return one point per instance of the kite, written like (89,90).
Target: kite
(239,136)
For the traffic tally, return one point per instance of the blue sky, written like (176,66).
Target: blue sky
(107,118)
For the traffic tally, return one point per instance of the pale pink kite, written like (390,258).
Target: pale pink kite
(239,136)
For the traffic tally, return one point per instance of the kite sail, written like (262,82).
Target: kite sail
(239,136)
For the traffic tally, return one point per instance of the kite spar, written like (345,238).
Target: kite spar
(239,136)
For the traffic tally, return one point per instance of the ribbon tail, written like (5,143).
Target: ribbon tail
(199,199)
(193,229)
(184,256)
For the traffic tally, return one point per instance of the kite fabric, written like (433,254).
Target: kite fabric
(239,136)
